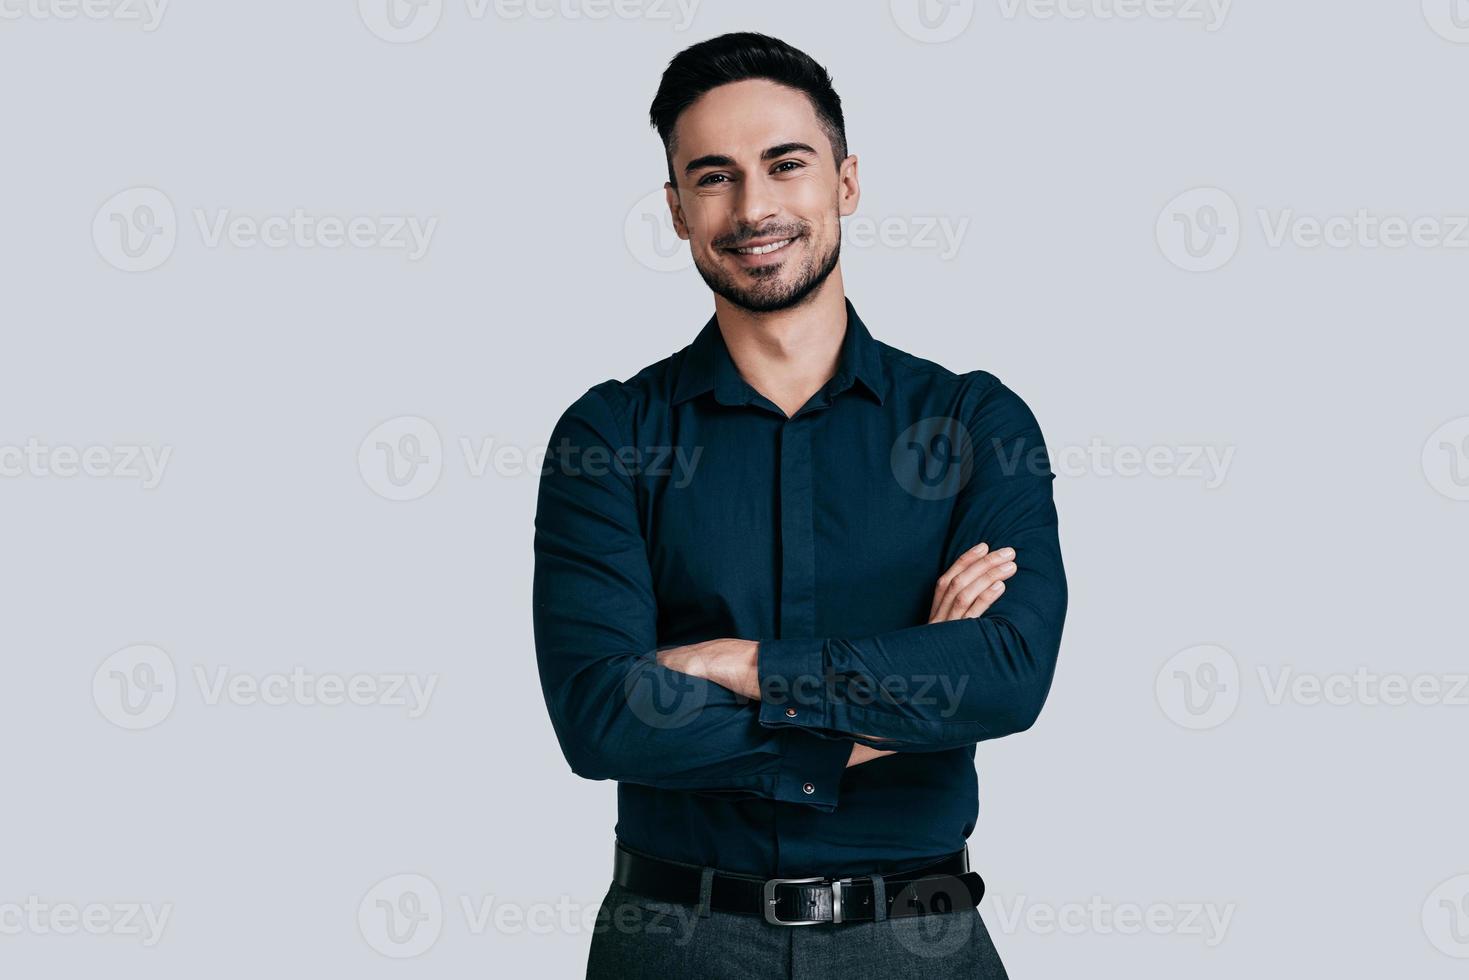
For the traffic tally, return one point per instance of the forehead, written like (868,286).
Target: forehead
(742,118)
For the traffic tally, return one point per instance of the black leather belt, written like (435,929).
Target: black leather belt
(943,886)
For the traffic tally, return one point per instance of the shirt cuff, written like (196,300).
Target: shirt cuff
(811,769)
(792,682)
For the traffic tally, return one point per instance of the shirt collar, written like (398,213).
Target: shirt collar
(707,365)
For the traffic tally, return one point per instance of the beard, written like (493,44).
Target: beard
(766,289)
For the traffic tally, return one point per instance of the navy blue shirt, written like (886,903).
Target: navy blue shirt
(682,505)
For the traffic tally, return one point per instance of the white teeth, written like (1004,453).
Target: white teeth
(762,249)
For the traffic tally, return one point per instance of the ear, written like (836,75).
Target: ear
(849,189)
(679,225)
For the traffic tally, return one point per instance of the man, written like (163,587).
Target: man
(787,577)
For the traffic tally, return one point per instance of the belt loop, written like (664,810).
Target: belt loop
(706,890)
(879,898)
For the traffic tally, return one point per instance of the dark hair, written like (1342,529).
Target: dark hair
(735,57)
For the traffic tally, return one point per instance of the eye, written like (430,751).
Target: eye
(796,163)
(707,179)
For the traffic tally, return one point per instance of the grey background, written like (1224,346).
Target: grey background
(1332,834)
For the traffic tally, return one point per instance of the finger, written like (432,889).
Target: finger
(978,576)
(966,560)
(963,591)
(982,588)
(960,563)
(983,602)
(979,586)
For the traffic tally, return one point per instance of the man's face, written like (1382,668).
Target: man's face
(755,168)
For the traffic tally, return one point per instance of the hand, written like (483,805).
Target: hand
(972,583)
(729,663)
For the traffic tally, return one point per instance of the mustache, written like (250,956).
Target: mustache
(743,240)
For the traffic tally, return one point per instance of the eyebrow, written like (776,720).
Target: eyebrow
(720,160)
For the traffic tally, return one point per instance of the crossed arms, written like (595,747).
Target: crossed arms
(735,717)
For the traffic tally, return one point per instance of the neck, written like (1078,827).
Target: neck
(787,355)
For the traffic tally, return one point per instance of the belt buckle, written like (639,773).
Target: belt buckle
(836,901)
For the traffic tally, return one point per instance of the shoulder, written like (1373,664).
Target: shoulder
(971,387)
(979,397)
(614,405)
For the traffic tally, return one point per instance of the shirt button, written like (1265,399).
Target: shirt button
(790,712)
(808,789)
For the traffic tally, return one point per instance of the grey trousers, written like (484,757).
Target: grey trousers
(637,937)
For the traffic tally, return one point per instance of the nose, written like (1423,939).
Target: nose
(755,202)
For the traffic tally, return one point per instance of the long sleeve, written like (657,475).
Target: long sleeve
(944,685)
(617,714)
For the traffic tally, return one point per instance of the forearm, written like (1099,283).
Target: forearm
(733,663)
(631,720)
(925,688)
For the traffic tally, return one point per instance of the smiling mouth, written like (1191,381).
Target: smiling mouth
(762,249)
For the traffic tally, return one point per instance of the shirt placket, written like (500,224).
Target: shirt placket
(797,535)
(798,566)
